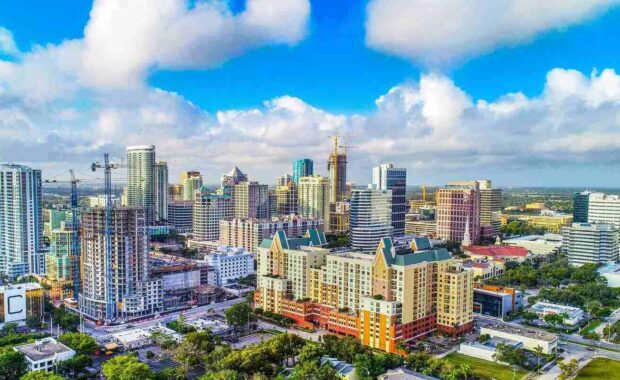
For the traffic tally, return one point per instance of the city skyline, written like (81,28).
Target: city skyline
(431,106)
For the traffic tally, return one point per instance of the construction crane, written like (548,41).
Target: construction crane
(107,167)
(424,194)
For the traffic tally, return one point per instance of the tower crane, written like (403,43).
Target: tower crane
(107,167)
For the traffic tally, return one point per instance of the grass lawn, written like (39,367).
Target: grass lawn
(599,368)
(484,368)
(591,326)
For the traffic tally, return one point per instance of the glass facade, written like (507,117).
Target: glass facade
(302,168)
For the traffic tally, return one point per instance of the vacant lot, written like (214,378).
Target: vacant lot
(484,368)
(600,368)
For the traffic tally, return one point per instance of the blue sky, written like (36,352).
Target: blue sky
(333,69)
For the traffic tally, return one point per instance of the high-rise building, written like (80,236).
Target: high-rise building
(302,168)
(234,177)
(337,168)
(604,208)
(458,206)
(141,178)
(133,293)
(313,196)
(180,216)
(339,217)
(490,206)
(175,192)
(58,259)
(370,218)
(283,180)
(208,210)
(21,222)
(161,190)
(251,200)
(191,185)
(286,199)
(405,290)
(249,233)
(387,177)
(188,174)
(590,243)
(53,219)
(581,202)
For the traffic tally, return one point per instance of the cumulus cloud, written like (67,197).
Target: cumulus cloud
(436,32)
(7,43)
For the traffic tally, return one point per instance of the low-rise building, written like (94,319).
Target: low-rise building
(230,264)
(529,337)
(537,244)
(44,354)
(496,301)
(494,252)
(402,373)
(484,269)
(217,326)
(20,302)
(486,350)
(344,370)
(574,315)
(132,339)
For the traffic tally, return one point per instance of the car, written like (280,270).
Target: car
(590,349)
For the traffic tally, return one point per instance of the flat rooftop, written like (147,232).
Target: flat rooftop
(528,333)
(42,349)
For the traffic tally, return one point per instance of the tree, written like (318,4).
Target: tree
(417,361)
(310,352)
(313,370)
(567,368)
(12,365)
(484,338)
(554,319)
(76,365)
(41,375)
(150,354)
(538,350)
(227,374)
(529,316)
(238,315)
(82,343)
(126,367)
(511,355)
(9,327)
(33,322)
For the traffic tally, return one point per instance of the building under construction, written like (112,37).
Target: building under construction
(129,292)
(337,168)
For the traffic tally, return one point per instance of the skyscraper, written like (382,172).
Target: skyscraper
(302,168)
(370,218)
(208,210)
(387,177)
(581,202)
(234,177)
(21,223)
(286,199)
(251,200)
(313,193)
(490,206)
(141,178)
(337,168)
(590,243)
(133,293)
(161,191)
(604,208)
(191,184)
(458,205)
(283,180)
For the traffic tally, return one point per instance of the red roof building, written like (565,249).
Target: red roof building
(496,252)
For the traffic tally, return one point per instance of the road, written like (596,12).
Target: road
(102,332)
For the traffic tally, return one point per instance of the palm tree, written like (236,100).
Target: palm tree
(538,350)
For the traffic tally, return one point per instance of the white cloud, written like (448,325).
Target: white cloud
(7,43)
(435,32)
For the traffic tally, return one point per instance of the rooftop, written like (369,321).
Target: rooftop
(528,333)
(402,373)
(131,335)
(496,250)
(547,238)
(343,368)
(42,349)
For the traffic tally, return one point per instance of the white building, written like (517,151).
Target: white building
(132,339)
(370,218)
(591,243)
(208,210)
(44,354)
(161,191)
(486,350)
(21,222)
(604,208)
(99,201)
(230,264)
(141,180)
(537,244)
(529,337)
(574,314)
(180,216)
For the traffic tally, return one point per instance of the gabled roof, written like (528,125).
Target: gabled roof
(496,251)
(313,238)
(420,243)
(406,256)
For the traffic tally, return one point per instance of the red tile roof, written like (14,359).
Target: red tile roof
(496,250)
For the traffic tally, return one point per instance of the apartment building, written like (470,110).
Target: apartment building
(402,292)
(208,210)
(458,210)
(249,233)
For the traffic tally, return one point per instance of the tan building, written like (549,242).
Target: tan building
(339,217)
(249,233)
(314,198)
(250,200)
(286,199)
(420,227)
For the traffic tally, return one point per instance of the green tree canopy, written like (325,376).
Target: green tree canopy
(238,315)
(12,365)
(126,367)
(41,375)
(82,343)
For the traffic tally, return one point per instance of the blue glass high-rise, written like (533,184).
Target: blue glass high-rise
(302,168)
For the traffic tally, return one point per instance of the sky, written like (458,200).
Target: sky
(521,92)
